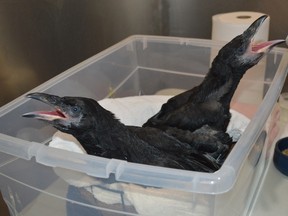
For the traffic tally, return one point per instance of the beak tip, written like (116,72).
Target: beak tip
(28,96)
(262,19)
(28,115)
(32,96)
(264,16)
(277,42)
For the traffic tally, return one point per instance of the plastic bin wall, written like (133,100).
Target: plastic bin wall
(36,179)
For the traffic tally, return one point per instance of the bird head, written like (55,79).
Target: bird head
(69,114)
(242,51)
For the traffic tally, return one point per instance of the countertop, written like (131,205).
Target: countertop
(273,194)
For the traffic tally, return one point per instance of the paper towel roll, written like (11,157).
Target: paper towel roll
(226,26)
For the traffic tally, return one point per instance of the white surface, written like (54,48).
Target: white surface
(272,199)
(273,195)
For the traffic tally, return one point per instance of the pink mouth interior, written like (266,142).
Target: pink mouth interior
(52,113)
(263,46)
(260,46)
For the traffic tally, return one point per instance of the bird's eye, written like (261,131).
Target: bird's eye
(76,109)
(241,50)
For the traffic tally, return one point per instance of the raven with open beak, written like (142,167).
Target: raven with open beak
(101,134)
(209,103)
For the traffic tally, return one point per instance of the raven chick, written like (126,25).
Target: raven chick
(209,103)
(101,134)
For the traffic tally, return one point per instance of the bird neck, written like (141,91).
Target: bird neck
(102,137)
(222,81)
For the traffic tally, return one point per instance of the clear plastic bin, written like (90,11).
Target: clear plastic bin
(30,170)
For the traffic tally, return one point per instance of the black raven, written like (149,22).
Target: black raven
(101,134)
(209,103)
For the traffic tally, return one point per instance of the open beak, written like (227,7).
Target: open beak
(261,47)
(265,46)
(51,100)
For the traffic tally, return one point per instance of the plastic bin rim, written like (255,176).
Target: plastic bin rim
(213,183)
(218,182)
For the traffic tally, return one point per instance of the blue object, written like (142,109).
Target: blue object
(280,159)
